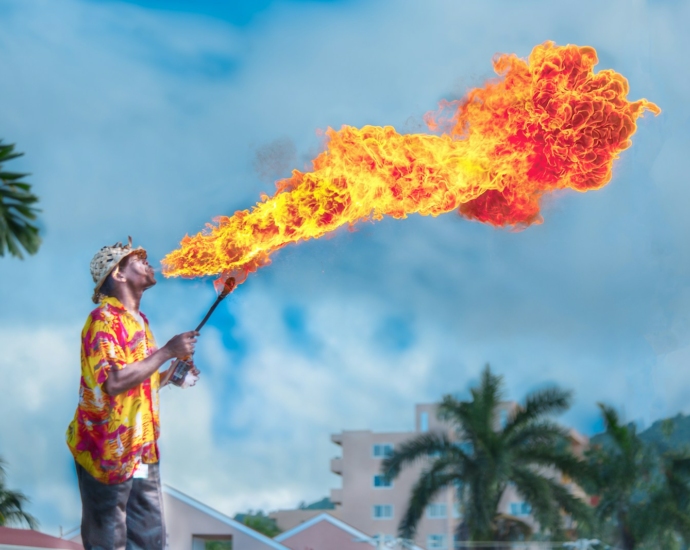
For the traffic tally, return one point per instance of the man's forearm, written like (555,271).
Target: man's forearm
(133,374)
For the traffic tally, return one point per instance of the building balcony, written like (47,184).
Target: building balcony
(337,465)
(337,496)
(337,438)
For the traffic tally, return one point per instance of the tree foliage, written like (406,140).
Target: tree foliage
(260,522)
(481,458)
(12,505)
(17,210)
(642,490)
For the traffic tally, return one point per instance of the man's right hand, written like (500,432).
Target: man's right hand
(182,345)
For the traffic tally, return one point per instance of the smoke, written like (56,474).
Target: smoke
(274,160)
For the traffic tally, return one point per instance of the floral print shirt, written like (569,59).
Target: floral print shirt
(111,435)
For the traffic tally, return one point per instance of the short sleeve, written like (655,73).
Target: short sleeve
(101,349)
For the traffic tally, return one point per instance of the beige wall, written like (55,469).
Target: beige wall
(357,497)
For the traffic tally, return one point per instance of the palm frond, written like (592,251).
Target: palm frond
(425,446)
(543,432)
(578,509)
(17,210)
(429,484)
(621,436)
(538,404)
(461,415)
(490,389)
(536,490)
(7,152)
(12,502)
(12,509)
(474,420)
(562,460)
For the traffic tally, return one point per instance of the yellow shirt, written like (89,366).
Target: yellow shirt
(111,435)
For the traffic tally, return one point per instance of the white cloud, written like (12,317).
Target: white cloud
(39,368)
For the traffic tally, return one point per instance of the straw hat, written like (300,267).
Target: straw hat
(107,259)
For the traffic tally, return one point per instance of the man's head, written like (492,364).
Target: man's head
(120,267)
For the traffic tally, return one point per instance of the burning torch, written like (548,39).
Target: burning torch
(178,371)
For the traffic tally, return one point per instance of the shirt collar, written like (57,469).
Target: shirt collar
(113,302)
(116,304)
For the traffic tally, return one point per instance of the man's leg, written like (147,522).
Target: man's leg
(103,516)
(145,525)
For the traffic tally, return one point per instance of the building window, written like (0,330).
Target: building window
(424,422)
(520,509)
(382,450)
(436,511)
(437,540)
(381,481)
(382,511)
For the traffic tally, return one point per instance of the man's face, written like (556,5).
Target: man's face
(137,271)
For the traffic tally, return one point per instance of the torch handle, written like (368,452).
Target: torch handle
(208,314)
(227,289)
(179,369)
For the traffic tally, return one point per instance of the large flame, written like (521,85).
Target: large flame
(544,124)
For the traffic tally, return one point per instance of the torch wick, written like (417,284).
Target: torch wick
(229,287)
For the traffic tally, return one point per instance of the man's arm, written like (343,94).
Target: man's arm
(133,374)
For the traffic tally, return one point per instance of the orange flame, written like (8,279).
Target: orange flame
(546,124)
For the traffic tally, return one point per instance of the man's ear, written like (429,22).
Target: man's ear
(118,276)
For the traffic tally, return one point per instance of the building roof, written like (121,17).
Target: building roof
(316,519)
(26,539)
(356,533)
(223,518)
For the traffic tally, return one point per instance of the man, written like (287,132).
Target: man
(114,434)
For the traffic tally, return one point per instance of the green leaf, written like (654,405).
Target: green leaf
(17,210)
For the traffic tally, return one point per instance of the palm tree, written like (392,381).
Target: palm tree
(12,504)
(643,496)
(17,210)
(481,459)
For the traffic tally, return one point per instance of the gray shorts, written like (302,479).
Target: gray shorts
(124,516)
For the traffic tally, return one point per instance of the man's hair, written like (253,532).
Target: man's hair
(109,283)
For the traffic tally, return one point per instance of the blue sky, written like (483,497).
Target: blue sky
(149,119)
